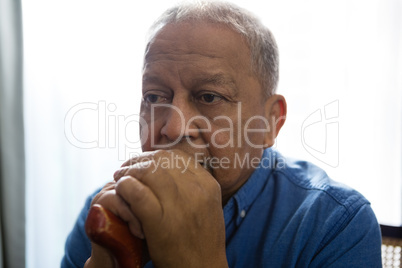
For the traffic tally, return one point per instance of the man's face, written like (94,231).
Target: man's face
(204,71)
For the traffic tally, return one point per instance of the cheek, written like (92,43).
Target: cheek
(250,133)
(254,131)
(223,134)
(222,138)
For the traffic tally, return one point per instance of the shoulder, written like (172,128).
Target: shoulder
(339,220)
(312,182)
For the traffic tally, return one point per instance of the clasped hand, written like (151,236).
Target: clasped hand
(174,203)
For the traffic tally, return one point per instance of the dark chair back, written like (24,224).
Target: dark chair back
(391,245)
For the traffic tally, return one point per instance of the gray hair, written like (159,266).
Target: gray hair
(263,48)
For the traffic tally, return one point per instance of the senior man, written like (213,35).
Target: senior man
(209,191)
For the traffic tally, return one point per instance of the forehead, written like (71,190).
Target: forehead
(199,41)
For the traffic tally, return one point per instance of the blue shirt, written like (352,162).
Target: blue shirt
(288,214)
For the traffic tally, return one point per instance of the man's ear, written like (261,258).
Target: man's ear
(275,112)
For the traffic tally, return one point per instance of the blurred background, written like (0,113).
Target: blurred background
(80,89)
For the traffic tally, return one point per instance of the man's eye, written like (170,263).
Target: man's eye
(153,98)
(210,98)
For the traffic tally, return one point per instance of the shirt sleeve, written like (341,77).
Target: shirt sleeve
(78,246)
(357,244)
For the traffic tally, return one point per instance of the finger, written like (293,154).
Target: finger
(108,186)
(140,198)
(145,156)
(113,202)
(124,212)
(100,257)
(140,168)
(120,172)
(161,182)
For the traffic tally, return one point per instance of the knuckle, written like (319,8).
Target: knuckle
(131,190)
(129,162)
(120,172)
(139,196)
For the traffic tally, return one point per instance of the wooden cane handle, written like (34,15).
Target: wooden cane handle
(109,231)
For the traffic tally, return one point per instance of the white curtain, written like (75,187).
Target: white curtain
(12,168)
(341,66)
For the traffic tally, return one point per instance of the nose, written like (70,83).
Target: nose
(180,122)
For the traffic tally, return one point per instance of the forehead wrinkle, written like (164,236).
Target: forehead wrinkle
(218,79)
(152,56)
(159,78)
(170,49)
(202,78)
(151,79)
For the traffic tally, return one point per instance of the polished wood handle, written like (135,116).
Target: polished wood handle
(109,231)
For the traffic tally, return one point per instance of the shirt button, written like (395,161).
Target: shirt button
(243,213)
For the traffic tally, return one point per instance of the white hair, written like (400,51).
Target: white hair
(263,48)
